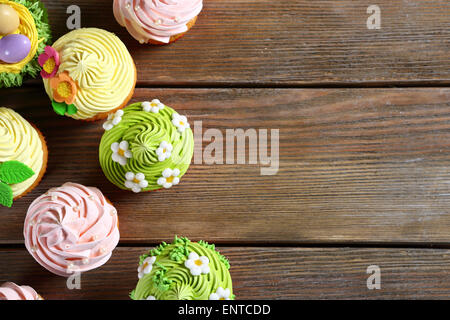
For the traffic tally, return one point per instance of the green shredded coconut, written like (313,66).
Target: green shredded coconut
(154,252)
(142,258)
(183,240)
(161,266)
(161,281)
(222,258)
(31,70)
(157,251)
(179,253)
(207,245)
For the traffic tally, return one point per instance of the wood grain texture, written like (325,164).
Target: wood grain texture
(264,273)
(356,166)
(300,42)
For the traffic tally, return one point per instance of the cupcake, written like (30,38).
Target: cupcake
(71,229)
(146,146)
(157,21)
(24,33)
(23,156)
(183,270)
(11,291)
(88,73)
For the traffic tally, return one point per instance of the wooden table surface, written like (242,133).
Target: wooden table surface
(364,150)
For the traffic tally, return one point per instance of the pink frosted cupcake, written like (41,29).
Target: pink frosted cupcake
(157,21)
(11,291)
(71,229)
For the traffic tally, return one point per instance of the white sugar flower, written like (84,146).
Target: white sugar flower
(155,106)
(180,122)
(121,152)
(151,298)
(220,294)
(197,265)
(164,151)
(169,178)
(113,119)
(146,266)
(135,182)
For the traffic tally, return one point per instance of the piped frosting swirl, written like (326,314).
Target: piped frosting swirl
(168,272)
(157,20)
(146,150)
(11,291)
(20,141)
(101,66)
(70,229)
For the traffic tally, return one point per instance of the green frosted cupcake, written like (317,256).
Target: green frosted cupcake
(183,270)
(146,146)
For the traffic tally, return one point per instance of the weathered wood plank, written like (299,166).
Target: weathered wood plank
(264,273)
(297,42)
(356,166)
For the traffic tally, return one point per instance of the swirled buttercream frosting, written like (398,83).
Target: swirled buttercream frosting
(146,146)
(157,20)
(71,229)
(11,291)
(87,72)
(20,141)
(183,270)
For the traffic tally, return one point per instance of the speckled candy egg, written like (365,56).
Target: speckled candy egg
(9,19)
(14,48)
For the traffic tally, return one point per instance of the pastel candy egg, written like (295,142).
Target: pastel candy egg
(14,48)
(9,19)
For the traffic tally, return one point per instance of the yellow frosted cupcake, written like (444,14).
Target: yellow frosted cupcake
(23,156)
(88,73)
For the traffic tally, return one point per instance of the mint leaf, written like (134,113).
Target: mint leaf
(71,109)
(59,107)
(14,172)
(6,195)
